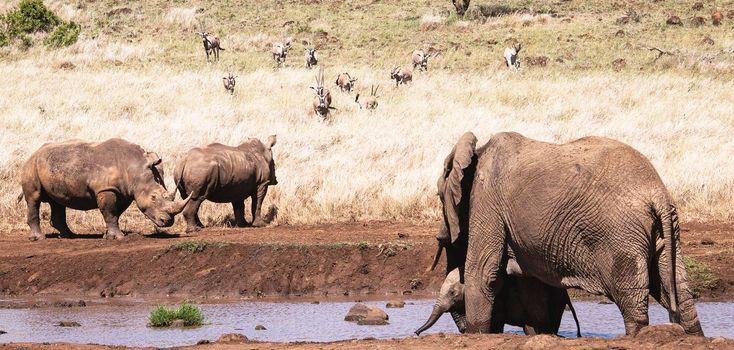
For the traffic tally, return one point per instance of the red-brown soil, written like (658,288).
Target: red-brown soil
(659,337)
(375,260)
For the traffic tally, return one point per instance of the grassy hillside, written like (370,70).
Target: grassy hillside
(138,71)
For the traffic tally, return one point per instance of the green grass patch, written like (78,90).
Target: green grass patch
(700,275)
(190,314)
(64,35)
(195,246)
(29,17)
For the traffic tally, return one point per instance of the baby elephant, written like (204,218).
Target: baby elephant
(225,174)
(524,302)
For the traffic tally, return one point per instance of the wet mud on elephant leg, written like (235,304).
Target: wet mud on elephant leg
(58,220)
(660,286)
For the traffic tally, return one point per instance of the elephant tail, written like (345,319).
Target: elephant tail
(575,318)
(671,232)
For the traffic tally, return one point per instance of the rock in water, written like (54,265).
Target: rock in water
(395,304)
(232,338)
(69,324)
(3,332)
(260,328)
(366,315)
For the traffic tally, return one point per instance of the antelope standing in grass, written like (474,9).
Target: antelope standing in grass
(310,57)
(401,75)
(511,56)
(322,100)
(229,82)
(345,82)
(369,102)
(420,60)
(280,51)
(211,43)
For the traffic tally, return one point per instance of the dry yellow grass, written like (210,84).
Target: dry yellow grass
(158,92)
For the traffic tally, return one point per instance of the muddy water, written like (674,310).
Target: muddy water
(116,325)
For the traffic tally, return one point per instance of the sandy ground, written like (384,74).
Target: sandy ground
(654,337)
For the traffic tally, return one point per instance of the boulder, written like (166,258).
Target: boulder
(365,314)
(674,21)
(232,338)
(661,331)
(69,324)
(260,328)
(395,304)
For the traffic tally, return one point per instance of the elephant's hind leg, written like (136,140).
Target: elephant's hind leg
(58,220)
(660,287)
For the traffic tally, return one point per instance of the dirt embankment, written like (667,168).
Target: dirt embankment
(375,259)
(652,338)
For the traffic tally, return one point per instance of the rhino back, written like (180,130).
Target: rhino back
(220,173)
(72,172)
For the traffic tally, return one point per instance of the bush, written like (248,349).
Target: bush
(189,313)
(195,246)
(4,40)
(700,275)
(29,17)
(64,35)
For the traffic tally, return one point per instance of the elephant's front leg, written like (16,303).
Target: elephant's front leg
(257,202)
(108,204)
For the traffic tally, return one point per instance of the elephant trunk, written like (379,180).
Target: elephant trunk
(438,310)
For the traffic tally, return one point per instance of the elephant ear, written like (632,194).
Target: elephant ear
(450,188)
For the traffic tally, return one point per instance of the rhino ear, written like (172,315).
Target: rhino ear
(271,141)
(455,165)
(152,159)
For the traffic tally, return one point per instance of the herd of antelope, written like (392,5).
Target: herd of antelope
(344,81)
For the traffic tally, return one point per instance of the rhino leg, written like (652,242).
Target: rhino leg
(191,214)
(239,213)
(34,220)
(257,202)
(108,205)
(58,220)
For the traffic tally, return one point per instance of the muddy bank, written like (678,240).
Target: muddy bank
(657,337)
(374,259)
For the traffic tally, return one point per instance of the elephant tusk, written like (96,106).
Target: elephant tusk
(435,259)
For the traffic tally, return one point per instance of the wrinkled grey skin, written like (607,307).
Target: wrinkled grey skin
(590,214)
(108,175)
(525,302)
(225,174)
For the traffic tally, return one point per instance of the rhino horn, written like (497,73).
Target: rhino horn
(179,205)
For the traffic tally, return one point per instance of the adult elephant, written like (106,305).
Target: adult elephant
(590,214)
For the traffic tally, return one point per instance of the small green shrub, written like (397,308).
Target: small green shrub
(196,246)
(64,35)
(4,40)
(190,314)
(700,275)
(363,245)
(29,17)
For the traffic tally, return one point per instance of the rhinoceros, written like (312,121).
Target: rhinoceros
(226,174)
(108,175)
